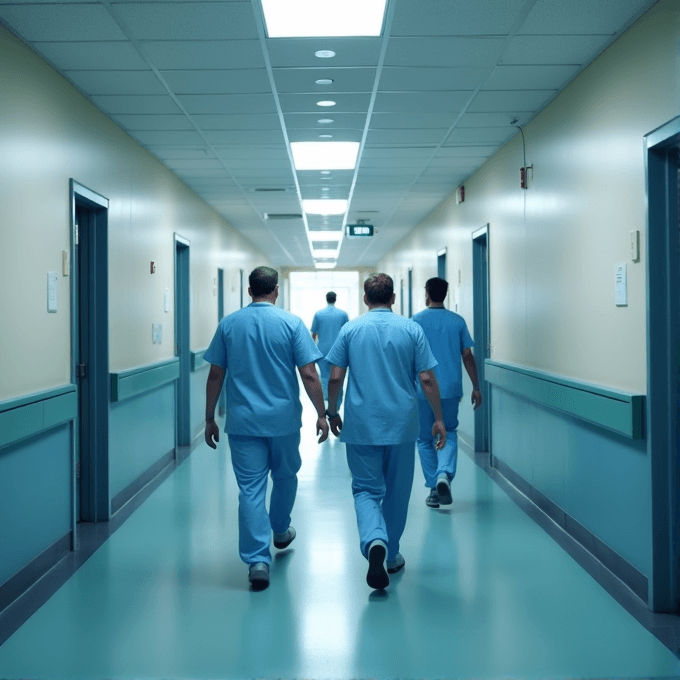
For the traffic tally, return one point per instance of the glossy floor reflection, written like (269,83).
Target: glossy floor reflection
(485,593)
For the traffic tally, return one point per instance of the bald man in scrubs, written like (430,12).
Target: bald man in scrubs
(385,353)
(259,348)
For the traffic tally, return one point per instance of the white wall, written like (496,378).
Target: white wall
(50,133)
(553,248)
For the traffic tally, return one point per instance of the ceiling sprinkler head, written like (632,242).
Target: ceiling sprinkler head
(513,121)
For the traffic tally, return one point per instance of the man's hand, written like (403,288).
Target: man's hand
(322,426)
(336,424)
(476,399)
(439,429)
(211,430)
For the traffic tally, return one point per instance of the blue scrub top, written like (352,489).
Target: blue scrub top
(384,353)
(327,323)
(259,346)
(448,336)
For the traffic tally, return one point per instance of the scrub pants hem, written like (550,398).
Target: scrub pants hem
(443,462)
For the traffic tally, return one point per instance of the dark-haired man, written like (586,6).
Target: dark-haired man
(259,347)
(325,328)
(384,352)
(449,340)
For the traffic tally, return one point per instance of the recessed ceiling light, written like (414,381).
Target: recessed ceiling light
(325,120)
(325,155)
(325,265)
(325,189)
(330,18)
(325,136)
(324,81)
(325,103)
(324,54)
(325,172)
(336,206)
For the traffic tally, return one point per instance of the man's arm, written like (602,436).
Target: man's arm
(212,394)
(334,385)
(428,382)
(471,368)
(310,380)
(315,336)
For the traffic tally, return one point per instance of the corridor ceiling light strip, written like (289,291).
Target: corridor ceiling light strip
(329,206)
(329,18)
(324,155)
(325,235)
(325,265)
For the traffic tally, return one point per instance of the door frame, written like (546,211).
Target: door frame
(481,314)
(182,336)
(663,361)
(410,292)
(95,472)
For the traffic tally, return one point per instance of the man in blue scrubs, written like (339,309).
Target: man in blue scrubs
(384,352)
(325,328)
(259,347)
(449,340)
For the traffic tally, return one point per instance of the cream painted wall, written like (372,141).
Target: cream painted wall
(49,133)
(553,248)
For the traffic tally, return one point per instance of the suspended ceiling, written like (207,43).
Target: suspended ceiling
(201,86)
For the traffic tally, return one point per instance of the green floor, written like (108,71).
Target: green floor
(485,593)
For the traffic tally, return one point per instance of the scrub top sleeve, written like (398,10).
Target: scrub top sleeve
(424,358)
(304,348)
(465,339)
(339,355)
(217,352)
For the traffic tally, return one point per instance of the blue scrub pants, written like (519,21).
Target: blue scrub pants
(253,458)
(444,461)
(382,477)
(325,371)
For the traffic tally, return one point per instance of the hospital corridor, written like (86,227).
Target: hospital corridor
(440,238)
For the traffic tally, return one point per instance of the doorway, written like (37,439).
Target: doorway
(308,293)
(441,264)
(482,333)
(240,276)
(90,352)
(401,299)
(410,292)
(182,346)
(663,361)
(222,404)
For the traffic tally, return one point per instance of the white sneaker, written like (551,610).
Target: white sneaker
(444,490)
(377,574)
(285,539)
(393,566)
(258,575)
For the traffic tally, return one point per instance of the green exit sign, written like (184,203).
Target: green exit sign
(359,230)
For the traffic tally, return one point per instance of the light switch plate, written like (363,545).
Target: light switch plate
(52,292)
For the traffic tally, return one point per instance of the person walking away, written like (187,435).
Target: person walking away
(325,328)
(259,347)
(449,340)
(384,352)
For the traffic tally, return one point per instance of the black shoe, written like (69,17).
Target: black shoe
(377,575)
(285,539)
(432,501)
(444,490)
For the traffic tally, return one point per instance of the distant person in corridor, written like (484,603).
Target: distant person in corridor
(449,340)
(259,347)
(384,352)
(325,328)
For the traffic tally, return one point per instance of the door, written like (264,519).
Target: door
(182,347)
(222,405)
(410,292)
(441,264)
(241,273)
(482,333)
(401,299)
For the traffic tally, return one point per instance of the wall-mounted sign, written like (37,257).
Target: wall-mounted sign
(359,230)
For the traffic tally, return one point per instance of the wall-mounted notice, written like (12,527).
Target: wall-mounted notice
(621,295)
(52,297)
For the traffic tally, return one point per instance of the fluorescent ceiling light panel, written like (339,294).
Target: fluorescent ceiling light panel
(325,155)
(325,235)
(329,18)
(335,206)
(325,265)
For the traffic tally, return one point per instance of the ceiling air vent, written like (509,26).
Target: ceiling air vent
(282,216)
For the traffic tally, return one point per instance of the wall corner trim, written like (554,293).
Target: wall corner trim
(197,360)
(134,381)
(616,410)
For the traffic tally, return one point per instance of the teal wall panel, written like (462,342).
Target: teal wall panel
(598,477)
(197,360)
(136,381)
(466,418)
(197,384)
(141,431)
(35,497)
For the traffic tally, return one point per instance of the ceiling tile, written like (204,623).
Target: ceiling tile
(244,136)
(253,153)
(135,104)
(415,136)
(168,137)
(189,20)
(450,51)
(582,16)
(181,164)
(66,22)
(381,121)
(455,17)
(284,52)
(398,152)
(310,120)
(398,79)
(237,121)
(154,122)
(344,102)
(488,135)
(530,77)
(344,79)
(494,119)
(554,49)
(116,82)
(297,135)
(205,54)
(467,151)
(522,100)
(421,102)
(92,55)
(233,81)
(227,103)
(166,153)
